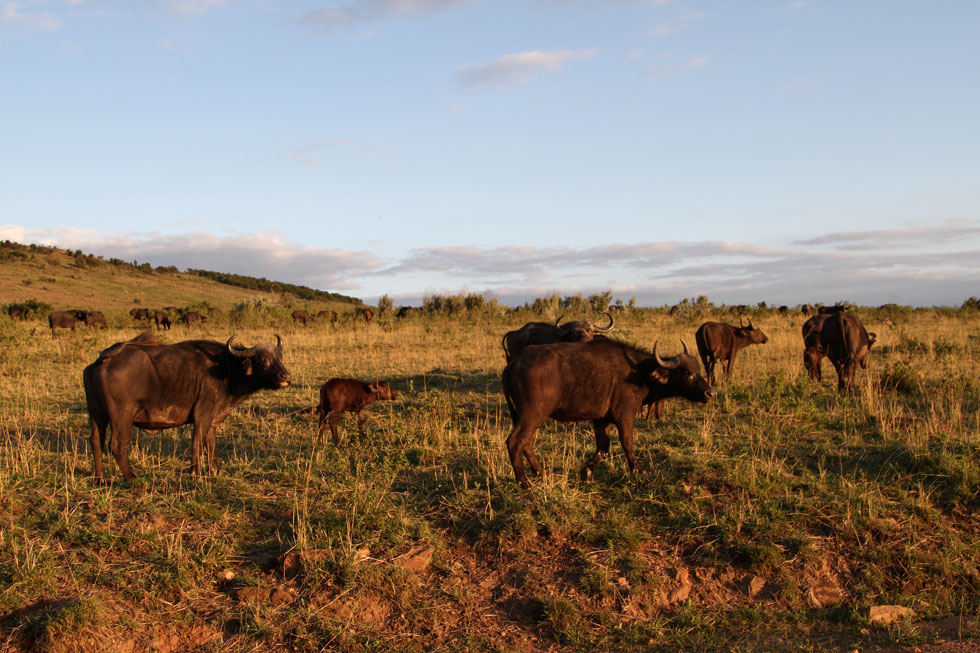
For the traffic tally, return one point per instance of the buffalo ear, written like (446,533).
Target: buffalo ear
(660,375)
(247,365)
(872,337)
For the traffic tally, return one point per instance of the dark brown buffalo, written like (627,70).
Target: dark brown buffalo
(162,320)
(813,352)
(330,316)
(65,320)
(846,343)
(602,380)
(192,317)
(806,309)
(406,311)
(154,386)
(543,333)
(17,312)
(827,310)
(140,313)
(720,342)
(339,396)
(367,314)
(301,316)
(95,318)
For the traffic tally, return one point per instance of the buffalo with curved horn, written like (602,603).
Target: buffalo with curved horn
(543,333)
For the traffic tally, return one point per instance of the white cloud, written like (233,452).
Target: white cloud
(690,64)
(10,12)
(192,7)
(340,16)
(520,68)
(676,24)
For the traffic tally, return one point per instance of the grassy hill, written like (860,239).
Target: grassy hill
(65,280)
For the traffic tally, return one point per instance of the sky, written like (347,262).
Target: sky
(785,151)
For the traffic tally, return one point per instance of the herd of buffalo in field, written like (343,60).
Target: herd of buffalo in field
(569,372)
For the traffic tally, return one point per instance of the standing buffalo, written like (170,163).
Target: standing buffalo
(192,317)
(162,320)
(339,396)
(806,309)
(720,342)
(17,312)
(367,314)
(543,333)
(406,311)
(330,316)
(95,318)
(602,380)
(301,316)
(155,386)
(140,314)
(813,352)
(65,320)
(846,343)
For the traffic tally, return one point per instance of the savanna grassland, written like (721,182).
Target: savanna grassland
(774,518)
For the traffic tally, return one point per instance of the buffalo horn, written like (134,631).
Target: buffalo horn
(750,324)
(685,347)
(657,358)
(607,328)
(240,353)
(741,321)
(279,344)
(559,320)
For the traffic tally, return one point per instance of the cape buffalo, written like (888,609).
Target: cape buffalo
(140,313)
(65,320)
(367,314)
(846,343)
(339,396)
(812,349)
(155,386)
(162,320)
(720,342)
(603,380)
(330,316)
(301,316)
(192,317)
(95,318)
(543,333)
(17,312)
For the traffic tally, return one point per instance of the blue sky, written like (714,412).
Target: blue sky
(785,151)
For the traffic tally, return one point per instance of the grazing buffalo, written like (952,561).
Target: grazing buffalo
(783,310)
(95,318)
(330,316)
(720,342)
(602,380)
(813,352)
(806,309)
(140,314)
(339,396)
(301,316)
(543,333)
(192,317)
(406,311)
(846,343)
(65,320)
(367,314)
(17,312)
(155,386)
(162,320)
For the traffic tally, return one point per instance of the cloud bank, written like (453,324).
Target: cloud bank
(519,68)
(922,265)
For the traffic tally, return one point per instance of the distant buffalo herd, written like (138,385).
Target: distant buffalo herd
(569,372)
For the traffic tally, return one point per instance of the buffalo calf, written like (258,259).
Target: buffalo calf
(339,396)
(720,342)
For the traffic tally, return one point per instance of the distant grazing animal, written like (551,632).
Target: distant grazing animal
(543,333)
(339,396)
(301,316)
(95,318)
(140,313)
(826,310)
(330,316)
(847,344)
(162,320)
(783,310)
(602,380)
(192,317)
(154,386)
(17,313)
(406,311)
(367,314)
(65,320)
(813,352)
(806,309)
(720,342)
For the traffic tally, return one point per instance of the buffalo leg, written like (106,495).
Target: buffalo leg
(333,419)
(360,425)
(532,458)
(198,438)
(212,465)
(122,430)
(626,439)
(601,448)
(98,439)
(516,449)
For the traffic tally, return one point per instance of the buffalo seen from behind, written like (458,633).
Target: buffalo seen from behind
(718,341)
(813,352)
(339,396)
(847,344)
(151,385)
(602,380)
(544,333)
